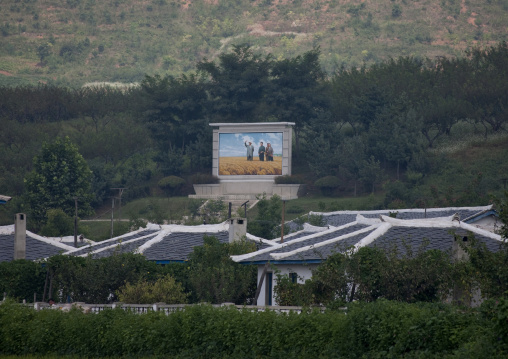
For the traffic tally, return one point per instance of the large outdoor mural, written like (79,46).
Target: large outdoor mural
(250,153)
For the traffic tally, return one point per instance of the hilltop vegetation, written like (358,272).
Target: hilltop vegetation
(393,126)
(73,42)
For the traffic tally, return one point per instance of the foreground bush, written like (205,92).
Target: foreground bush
(163,290)
(375,330)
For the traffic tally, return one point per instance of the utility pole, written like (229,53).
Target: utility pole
(282,224)
(244,205)
(76,222)
(120,192)
(112,211)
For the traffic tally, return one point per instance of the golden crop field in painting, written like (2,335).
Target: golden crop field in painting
(240,166)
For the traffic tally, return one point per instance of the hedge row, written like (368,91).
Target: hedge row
(379,329)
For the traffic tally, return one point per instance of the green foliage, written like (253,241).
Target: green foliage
(58,224)
(20,279)
(327,184)
(268,218)
(204,178)
(371,273)
(396,10)
(374,330)
(60,173)
(44,51)
(96,280)
(164,290)
(288,179)
(215,278)
(171,184)
(214,210)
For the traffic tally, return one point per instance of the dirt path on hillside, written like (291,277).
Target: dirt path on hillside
(256,30)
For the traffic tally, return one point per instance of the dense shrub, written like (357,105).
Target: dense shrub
(163,290)
(382,329)
(288,180)
(204,178)
(327,184)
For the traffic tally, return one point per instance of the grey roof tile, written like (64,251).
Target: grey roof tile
(313,239)
(114,241)
(35,249)
(177,246)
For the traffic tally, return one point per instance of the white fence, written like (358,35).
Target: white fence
(162,307)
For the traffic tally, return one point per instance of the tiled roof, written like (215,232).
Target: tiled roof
(378,231)
(176,246)
(115,243)
(340,218)
(37,247)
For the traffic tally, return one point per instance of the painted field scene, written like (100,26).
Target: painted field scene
(240,166)
(235,147)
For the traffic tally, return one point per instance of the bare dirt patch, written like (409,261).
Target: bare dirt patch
(5,73)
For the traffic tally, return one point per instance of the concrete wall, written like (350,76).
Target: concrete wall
(303,271)
(231,190)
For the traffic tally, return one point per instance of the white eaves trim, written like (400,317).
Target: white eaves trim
(324,243)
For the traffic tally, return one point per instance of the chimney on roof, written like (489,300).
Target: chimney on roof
(20,236)
(237,229)
(461,293)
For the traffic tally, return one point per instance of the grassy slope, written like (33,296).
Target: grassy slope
(129,39)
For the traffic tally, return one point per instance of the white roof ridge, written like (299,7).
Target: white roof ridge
(379,231)
(8,229)
(406,210)
(483,232)
(99,250)
(159,237)
(328,241)
(307,227)
(202,228)
(50,241)
(367,221)
(238,258)
(149,226)
(438,222)
(259,239)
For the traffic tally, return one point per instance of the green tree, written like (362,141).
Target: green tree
(174,114)
(299,93)
(215,278)
(44,51)
(60,174)
(268,218)
(58,224)
(238,84)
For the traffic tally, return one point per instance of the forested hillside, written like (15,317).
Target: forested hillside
(427,133)
(73,42)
